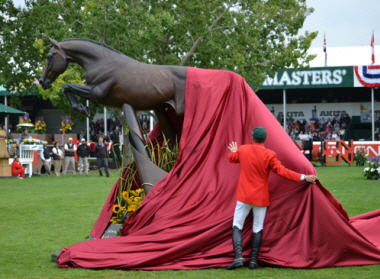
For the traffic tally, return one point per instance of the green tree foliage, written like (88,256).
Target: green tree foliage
(254,38)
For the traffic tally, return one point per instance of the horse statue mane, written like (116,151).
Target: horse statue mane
(91,41)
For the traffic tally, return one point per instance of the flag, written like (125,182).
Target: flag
(373,48)
(325,48)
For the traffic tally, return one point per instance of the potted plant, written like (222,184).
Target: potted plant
(360,156)
(373,169)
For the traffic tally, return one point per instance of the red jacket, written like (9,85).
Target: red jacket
(256,162)
(17,168)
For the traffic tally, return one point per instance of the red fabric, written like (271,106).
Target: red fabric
(17,169)
(106,213)
(185,221)
(253,186)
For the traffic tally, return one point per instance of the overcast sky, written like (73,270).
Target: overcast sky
(345,22)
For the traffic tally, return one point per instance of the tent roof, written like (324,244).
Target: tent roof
(3,91)
(9,110)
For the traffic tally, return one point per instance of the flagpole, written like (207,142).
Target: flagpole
(373,113)
(284,104)
(373,47)
(325,48)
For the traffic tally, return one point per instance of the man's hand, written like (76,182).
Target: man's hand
(311,178)
(233,146)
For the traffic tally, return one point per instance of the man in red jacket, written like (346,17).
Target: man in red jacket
(253,190)
(17,169)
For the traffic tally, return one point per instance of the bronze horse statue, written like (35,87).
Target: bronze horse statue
(113,79)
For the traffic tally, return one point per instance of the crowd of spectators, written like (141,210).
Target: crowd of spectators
(318,129)
(97,130)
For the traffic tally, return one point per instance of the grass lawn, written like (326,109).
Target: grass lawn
(42,214)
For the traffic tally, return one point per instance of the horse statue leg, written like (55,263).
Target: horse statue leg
(149,173)
(166,126)
(71,90)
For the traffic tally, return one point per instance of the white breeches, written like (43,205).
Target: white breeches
(241,211)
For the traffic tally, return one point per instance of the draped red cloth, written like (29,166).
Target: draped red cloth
(185,221)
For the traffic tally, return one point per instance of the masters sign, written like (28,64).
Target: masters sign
(311,78)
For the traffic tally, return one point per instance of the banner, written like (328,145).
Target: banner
(319,77)
(369,76)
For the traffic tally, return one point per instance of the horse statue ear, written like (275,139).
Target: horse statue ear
(54,43)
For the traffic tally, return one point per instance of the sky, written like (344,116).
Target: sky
(345,22)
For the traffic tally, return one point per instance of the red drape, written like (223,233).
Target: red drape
(185,221)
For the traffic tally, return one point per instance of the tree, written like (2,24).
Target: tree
(254,38)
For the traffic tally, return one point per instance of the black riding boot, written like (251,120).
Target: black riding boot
(256,243)
(237,241)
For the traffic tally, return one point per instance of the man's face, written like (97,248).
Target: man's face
(26,132)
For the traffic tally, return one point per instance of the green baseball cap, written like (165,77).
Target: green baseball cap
(259,133)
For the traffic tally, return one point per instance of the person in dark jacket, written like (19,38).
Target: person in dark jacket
(101,156)
(46,158)
(83,152)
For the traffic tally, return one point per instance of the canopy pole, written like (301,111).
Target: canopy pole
(87,124)
(105,121)
(6,117)
(151,121)
(373,113)
(284,103)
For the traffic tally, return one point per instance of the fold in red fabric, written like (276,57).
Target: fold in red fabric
(185,221)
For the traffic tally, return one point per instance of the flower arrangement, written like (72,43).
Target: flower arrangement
(360,156)
(67,125)
(32,141)
(127,203)
(40,126)
(23,120)
(164,156)
(373,169)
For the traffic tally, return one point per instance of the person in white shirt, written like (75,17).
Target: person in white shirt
(70,150)
(335,136)
(57,157)
(302,136)
(46,159)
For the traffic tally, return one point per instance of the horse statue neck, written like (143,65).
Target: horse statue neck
(86,52)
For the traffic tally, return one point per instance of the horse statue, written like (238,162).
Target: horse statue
(116,80)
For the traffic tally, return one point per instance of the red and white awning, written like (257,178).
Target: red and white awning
(369,76)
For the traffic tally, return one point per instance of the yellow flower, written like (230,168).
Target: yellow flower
(139,191)
(116,208)
(123,209)
(125,195)
(132,207)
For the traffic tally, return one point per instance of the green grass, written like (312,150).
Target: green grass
(42,214)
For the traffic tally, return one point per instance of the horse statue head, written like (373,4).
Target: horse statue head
(57,62)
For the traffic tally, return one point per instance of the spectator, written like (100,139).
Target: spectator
(101,157)
(57,157)
(24,135)
(83,152)
(17,169)
(334,136)
(45,157)
(70,149)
